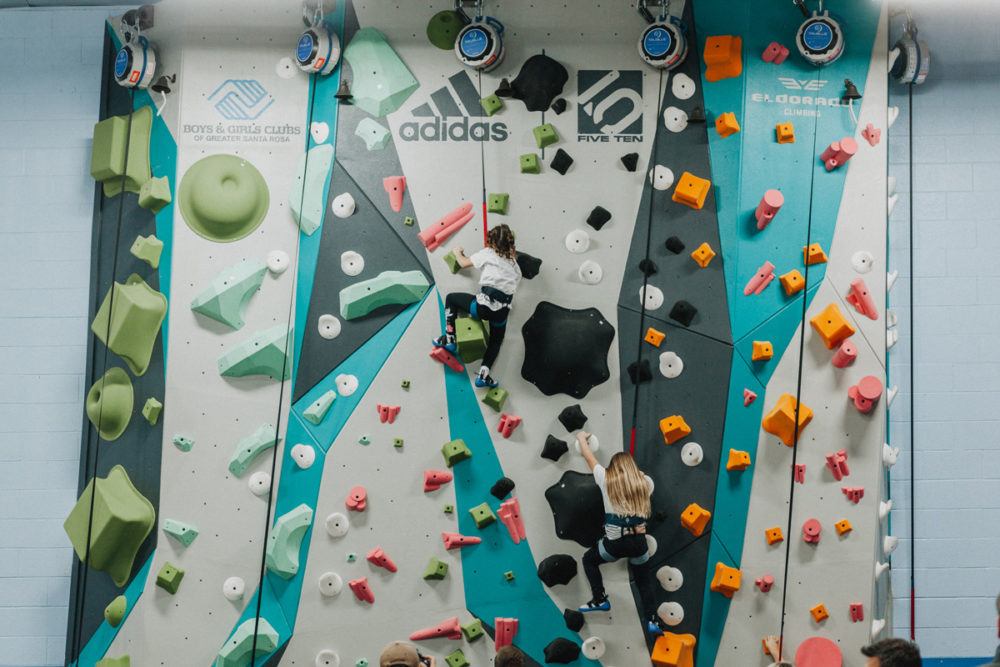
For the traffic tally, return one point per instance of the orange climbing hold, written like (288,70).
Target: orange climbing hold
(813,254)
(674,428)
(695,518)
(831,326)
(691,190)
(780,420)
(726,124)
(672,650)
(819,613)
(722,57)
(703,254)
(774,535)
(843,526)
(785,133)
(726,580)
(738,460)
(792,282)
(654,337)
(762,350)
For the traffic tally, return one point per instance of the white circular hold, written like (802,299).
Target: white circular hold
(330,584)
(285,68)
(320,131)
(671,613)
(327,658)
(592,441)
(651,296)
(590,272)
(593,648)
(346,384)
(675,119)
(343,205)
(577,241)
(329,326)
(303,455)
(661,177)
(259,483)
(692,454)
(682,86)
(671,365)
(234,588)
(863,261)
(352,263)
(337,524)
(651,545)
(670,578)
(277,262)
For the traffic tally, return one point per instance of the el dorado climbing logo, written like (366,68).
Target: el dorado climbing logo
(449,115)
(799,97)
(241,99)
(609,105)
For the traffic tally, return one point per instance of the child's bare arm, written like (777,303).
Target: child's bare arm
(588,454)
(460,257)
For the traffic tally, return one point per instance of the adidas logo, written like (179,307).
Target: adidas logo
(450,112)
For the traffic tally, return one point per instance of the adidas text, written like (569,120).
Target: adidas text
(459,130)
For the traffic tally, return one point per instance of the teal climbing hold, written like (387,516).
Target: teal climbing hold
(317,411)
(139,311)
(375,136)
(182,532)
(148,249)
(124,661)
(169,577)
(155,194)
(387,288)
(282,554)
(225,299)
(308,206)
(238,649)
(251,447)
(183,443)
(382,83)
(267,352)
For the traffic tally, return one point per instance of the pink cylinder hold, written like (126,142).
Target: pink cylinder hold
(768,207)
(845,354)
(838,153)
(866,393)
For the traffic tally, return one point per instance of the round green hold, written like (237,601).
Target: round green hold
(443,29)
(223,198)
(109,403)
(115,612)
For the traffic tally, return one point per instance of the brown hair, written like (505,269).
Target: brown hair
(509,656)
(627,488)
(501,240)
(893,653)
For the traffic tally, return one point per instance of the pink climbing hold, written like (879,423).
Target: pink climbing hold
(871,134)
(510,514)
(845,354)
(811,530)
(507,424)
(857,612)
(447,358)
(838,153)
(799,472)
(774,53)
(760,280)
(438,233)
(387,413)
(819,652)
(395,186)
(357,499)
(865,393)
(769,205)
(854,493)
(506,628)
(764,583)
(433,479)
(861,299)
(361,590)
(378,558)
(449,629)
(837,463)
(748,397)
(457,540)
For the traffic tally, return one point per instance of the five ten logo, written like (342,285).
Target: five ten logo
(445,117)
(609,104)
(241,99)
(794,84)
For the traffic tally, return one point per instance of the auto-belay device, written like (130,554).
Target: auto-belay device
(479,44)
(820,38)
(318,48)
(135,64)
(662,44)
(910,57)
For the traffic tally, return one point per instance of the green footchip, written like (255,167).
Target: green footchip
(457,659)
(491,104)
(495,398)
(530,164)
(169,577)
(473,630)
(482,515)
(545,135)
(436,569)
(454,452)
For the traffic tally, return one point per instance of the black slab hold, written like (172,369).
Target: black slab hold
(566,351)
(577,508)
(640,372)
(529,265)
(557,569)
(648,267)
(674,245)
(554,448)
(572,417)
(683,312)
(503,486)
(574,619)
(697,115)
(562,651)
(561,162)
(559,106)
(504,90)
(598,217)
(630,160)
(539,82)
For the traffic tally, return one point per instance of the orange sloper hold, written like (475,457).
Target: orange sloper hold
(695,518)
(781,419)
(762,350)
(819,613)
(774,535)
(831,326)
(691,190)
(792,282)
(785,133)
(703,254)
(843,526)
(672,650)
(722,57)
(738,460)
(654,337)
(727,124)
(674,428)
(813,254)
(726,580)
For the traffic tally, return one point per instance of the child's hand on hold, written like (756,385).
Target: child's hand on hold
(458,250)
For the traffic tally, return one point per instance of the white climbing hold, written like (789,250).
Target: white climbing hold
(352,263)
(329,326)
(889,455)
(320,131)
(878,625)
(884,507)
(651,545)
(277,262)
(670,364)
(593,648)
(594,443)
(303,455)
(889,544)
(234,588)
(893,115)
(590,272)
(890,185)
(327,658)
(862,261)
(577,241)
(880,569)
(259,483)
(890,319)
(890,279)
(682,86)
(346,384)
(330,584)
(692,454)
(671,613)
(651,296)
(337,524)
(890,395)
(285,68)
(670,578)
(674,119)
(892,203)
(891,338)
(661,177)
(343,205)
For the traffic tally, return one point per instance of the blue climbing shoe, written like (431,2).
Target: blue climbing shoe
(596,605)
(653,626)
(447,341)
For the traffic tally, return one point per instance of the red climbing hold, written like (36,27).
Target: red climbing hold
(837,463)
(838,153)
(439,232)
(506,628)
(861,299)
(865,393)
(510,514)
(361,590)
(799,472)
(748,397)
(854,493)
(507,424)
(387,413)
(447,358)
(845,354)
(457,540)
(378,558)
(395,186)
(811,530)
(774,53)
(357,499)
(760,280)
(769,205)
(764,583)
(857,612)
(449,629)
(433,479)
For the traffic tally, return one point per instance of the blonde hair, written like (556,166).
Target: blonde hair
(627,488)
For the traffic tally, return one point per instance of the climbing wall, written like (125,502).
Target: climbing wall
(341,483)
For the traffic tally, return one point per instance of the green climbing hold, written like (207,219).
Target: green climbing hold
(495,398)
(148,249)
(545,135)
(491,104)
(408,221)
(482,515)
(239,648)
(405,384)
(397,442)
(452,262)
(529,164)
(169,577)
(223,198)
(497,203)
(473,630)
(436,569)
(457,659)
(382,83)
(115,611)
(251,447)
(124,661)
(365,440)
(267,352)
(107,156)
(109,403)
(151,410)
(183,443)
(225,299)
(373,133)
(443,28)
(308,207)
(285,541)
(316,412)
(455,451)
(182,532)
(139,311)
(449,509)
(155,194)
(387,288)
(471,337)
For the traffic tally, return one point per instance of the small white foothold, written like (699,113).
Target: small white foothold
(234,588)
(884,507)
(891,338)
(670,578)
(890,279)
(880,569)
(671,613)
(303,455)
(892,203)
(337,524)
(590,272)
(692,454)
(327,658)
(652,297)
(330,584)
(675,119)
(661,177)
(878,625)
(682,86)
(893,115)
(259,483)
(889,544)
(329,326)
(285,68)
(890,319)
(890,395)
(593,648)
(352,263)
(577,241)
(346,384)
(889,455)
(277,262)
(343,205)
(651,545)
(862,261)
(671,365)
(320,131)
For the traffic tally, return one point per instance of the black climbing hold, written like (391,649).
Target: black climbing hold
(529,265)
(561,162)
(503,486)
(648,267)
(554,448)
(540,81)
(577,508)
(640,373)
(675,245)
(631,161)
(562,651)
(504,90)
(557,569)
(572,418)
(598,217)
(559,106)
(574,619)
(697,115)
(344,92)
(566,351)
(683,312)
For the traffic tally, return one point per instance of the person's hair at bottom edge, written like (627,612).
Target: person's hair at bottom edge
(894,653)
(509,656)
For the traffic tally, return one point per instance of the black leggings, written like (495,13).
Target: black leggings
(634,548)
(464,302)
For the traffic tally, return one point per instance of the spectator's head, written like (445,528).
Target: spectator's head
(509,656)
(892,653)
(399,654)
